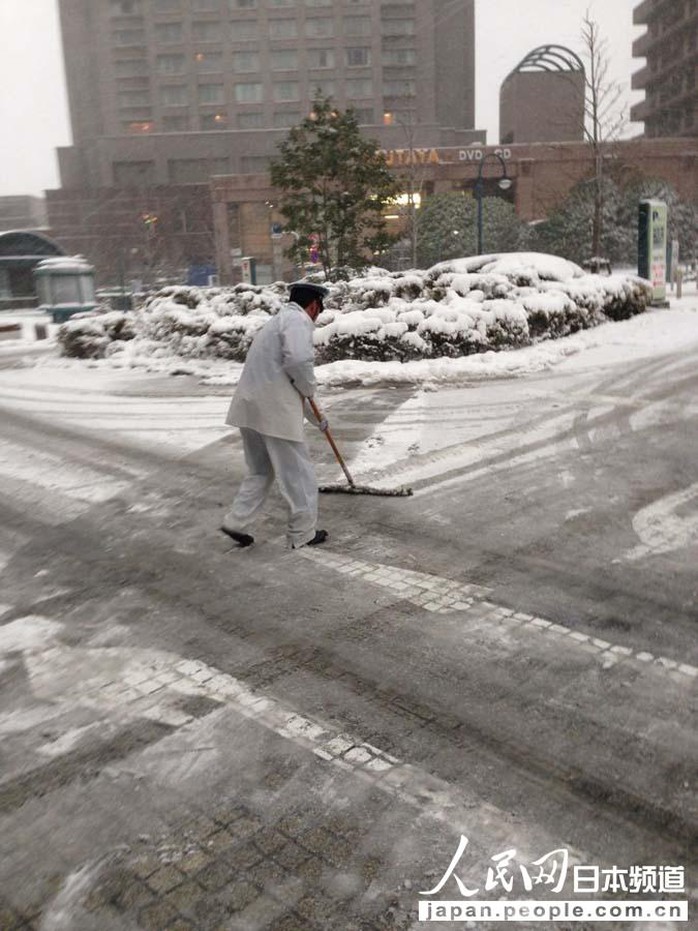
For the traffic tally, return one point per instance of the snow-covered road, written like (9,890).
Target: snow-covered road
(508,655)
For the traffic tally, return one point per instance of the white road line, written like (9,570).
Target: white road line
(120,682)
(443,596)
(430,592)
(663,527)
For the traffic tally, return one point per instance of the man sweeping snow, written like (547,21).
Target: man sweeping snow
(268,407)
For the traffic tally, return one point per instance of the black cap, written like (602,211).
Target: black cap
(303,292)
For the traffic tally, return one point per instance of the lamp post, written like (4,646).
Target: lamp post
(504,183)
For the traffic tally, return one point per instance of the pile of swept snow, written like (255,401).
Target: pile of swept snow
(454,309)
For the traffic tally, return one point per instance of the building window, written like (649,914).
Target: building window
(358,57)
(170,64)
(357,25)
(283,29)
(363,116)
(206,31)
(187,170)
(319,28)
(206,6)
(134,98)
(122,37)
(124,7)
(284,119)
(249,93)
(211,93)
(320,58)
(131,68)
(318,2)
(245,30)
(208,62)
(137,128)
(399,88)
(175,124)
(168,32)
(398,27)
(167,6)
(132,174)
(243,4)
(359,87)
(250,119)
(174,95)
(245,62)
(284,60)
(282,2)
(327,88)
(286,90)
(209,121)
(399,56)
(195,170)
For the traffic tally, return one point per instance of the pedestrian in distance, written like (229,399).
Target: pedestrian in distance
(268,407)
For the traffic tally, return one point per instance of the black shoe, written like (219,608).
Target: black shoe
(244,539)
(320,537)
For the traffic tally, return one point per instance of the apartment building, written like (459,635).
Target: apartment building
(165,95)
(175,91)
(670,75)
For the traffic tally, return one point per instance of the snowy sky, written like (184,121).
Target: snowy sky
(33,107)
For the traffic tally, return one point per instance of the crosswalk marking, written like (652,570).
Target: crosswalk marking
(444,596)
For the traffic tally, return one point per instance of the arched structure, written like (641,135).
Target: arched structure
(20,252)
(542,99)
(549,58)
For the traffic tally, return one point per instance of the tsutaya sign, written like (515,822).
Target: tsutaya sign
(448,156)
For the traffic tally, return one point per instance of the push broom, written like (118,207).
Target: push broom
(352,488)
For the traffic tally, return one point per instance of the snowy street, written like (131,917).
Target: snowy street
(198,736)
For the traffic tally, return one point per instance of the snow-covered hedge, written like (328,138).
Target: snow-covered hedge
(89,337)
(453,309)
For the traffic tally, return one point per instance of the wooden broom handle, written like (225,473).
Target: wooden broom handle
(330,440)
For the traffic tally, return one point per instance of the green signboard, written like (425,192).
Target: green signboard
(652,246)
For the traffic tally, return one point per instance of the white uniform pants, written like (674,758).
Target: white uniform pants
(269,458)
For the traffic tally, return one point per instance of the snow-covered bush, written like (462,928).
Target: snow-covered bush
(89,337)
(453,309)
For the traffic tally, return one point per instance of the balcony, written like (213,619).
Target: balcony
(640,78)
(641,111)
(642,45)
(649,10)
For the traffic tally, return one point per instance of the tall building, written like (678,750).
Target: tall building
(670,75)
(174,91)
(542,99)
(166,94)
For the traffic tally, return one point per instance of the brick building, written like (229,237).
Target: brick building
(542,99)
(542,173)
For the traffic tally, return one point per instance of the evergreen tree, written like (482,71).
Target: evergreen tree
(566,232)
(447,227)
(334,185)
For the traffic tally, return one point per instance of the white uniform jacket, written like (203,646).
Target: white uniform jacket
(278,370)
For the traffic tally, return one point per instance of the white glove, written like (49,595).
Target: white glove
(323,425)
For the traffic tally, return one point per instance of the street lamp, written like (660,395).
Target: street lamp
(504,184)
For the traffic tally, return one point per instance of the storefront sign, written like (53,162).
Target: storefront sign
(447,156)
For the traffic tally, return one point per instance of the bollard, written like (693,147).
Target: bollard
(679,281)
(40,330)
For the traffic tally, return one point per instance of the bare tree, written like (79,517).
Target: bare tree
(604,116)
